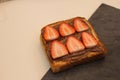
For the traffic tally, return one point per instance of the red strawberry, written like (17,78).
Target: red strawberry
(50,33)
(80,25)
(65,29)
(58,49)
(74,45)
(88,40)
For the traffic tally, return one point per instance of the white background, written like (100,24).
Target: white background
(21,53)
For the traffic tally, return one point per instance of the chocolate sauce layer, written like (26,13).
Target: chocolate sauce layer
(70,56)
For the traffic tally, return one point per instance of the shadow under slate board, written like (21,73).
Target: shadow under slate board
(106,21)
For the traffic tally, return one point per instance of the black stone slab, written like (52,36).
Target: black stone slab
(106,21)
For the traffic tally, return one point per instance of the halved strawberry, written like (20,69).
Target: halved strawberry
(66,29)
(74,45)
(88,40)
(80,25)
(50,33)
(58,49)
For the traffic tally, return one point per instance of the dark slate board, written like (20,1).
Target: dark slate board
(106,21)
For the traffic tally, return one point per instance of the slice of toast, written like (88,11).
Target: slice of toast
(61,53)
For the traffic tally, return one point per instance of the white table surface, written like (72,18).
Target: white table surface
(21,53)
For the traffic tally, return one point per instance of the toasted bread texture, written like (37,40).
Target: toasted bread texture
(66,62)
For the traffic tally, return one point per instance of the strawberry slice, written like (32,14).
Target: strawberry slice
(80,25)
(50,33)
(74,45)
(58,49)
(88,40)
(66,29)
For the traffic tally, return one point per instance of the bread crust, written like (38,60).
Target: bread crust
(58,66)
